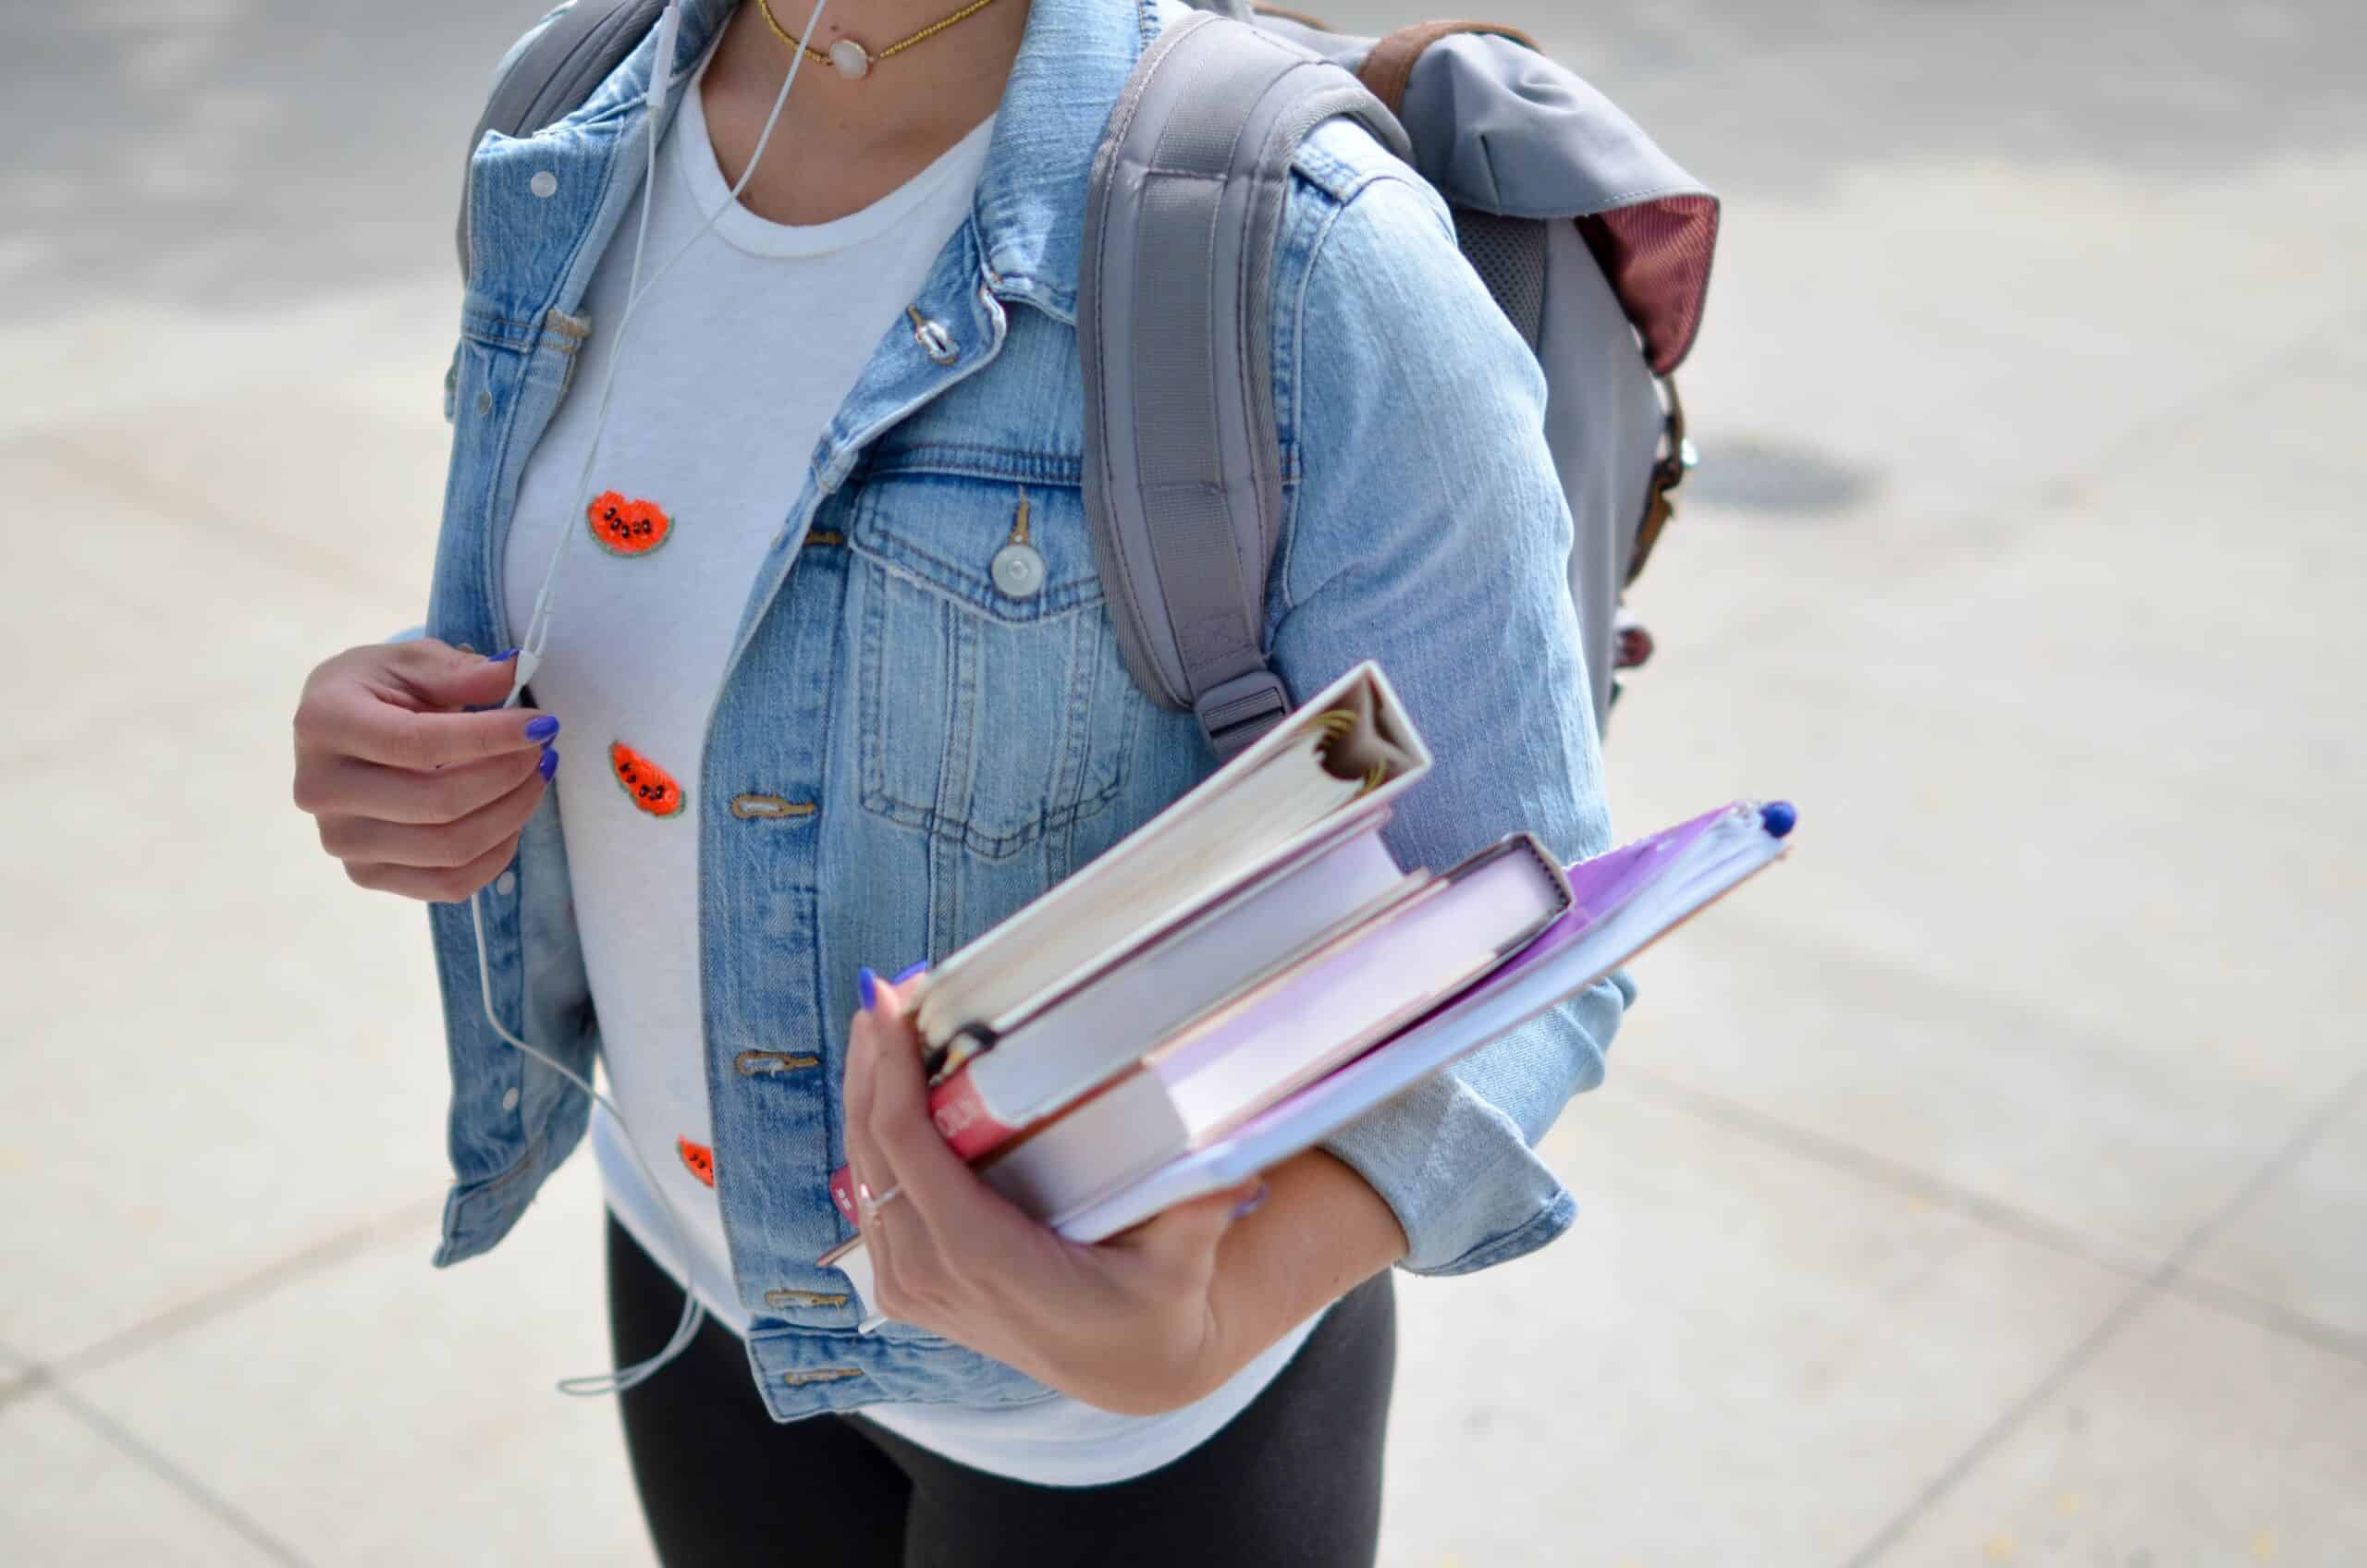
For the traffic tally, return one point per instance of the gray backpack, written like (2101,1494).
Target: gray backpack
(1593,242)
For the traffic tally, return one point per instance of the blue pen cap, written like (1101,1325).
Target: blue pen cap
(1778,817)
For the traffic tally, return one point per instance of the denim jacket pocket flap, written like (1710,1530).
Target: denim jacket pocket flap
(1003,549)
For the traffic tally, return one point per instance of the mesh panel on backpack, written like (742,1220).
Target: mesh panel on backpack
(1509,256)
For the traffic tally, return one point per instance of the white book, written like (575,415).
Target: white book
(1342,757)
(1088,1036)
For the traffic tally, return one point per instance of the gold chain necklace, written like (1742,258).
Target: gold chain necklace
(851,59)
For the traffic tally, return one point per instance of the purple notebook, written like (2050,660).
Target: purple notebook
(1626,900)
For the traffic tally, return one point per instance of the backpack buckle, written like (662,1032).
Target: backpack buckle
(1678,457)
(1234,713)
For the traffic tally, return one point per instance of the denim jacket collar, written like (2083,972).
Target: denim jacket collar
(1030,212)
(1075,61)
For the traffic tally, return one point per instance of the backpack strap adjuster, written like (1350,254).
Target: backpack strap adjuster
(1235,713)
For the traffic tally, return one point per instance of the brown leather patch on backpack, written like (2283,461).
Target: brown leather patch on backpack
(1389,69)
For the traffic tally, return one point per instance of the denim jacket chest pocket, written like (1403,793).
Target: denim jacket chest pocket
(995,707)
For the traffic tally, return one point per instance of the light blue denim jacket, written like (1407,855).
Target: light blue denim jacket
(964,750)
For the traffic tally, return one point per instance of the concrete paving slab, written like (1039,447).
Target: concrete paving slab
(1953,260)
(1960,328)
(2300,1244)
(2192,1438)
(252,1097)
(410,1416)
(96,356)
(336,479)
(236,1054)
(2128,1128)
(1737,1356)
(2068,921)
(202,1120)
(157,617)
(74,1496)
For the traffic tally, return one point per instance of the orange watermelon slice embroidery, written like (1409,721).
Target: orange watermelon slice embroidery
(628,528)
(697,1159)
(652,788)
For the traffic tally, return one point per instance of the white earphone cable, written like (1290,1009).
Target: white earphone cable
(694,1313)
(537,637)
(538,627)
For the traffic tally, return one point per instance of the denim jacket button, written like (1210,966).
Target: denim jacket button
(506,883)
(935,341)
(509,1098)
(1018,571)
(543,184)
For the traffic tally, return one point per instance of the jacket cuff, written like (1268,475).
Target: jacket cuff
(477,1215)
(1466,1187)
(1454,1156)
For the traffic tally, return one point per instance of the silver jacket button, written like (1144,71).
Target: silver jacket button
(1018,571)
(935,341)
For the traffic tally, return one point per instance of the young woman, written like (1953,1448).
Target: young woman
(835,686)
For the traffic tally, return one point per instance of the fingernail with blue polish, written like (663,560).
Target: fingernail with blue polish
(505,658)
(867,985)
(542,726)
(909,972)
(1778,817)
(549,764)
(1248,1206)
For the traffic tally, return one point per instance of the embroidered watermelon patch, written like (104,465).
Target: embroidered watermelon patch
(652,788)
(628,528)
(697,1159)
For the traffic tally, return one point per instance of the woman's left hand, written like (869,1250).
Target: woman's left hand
(1129,1325)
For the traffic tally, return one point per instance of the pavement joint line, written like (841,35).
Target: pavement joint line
(2237,1302)
(23,1385)
(2076,484)
(1818,1147)
(119,479)
(133,1447)
(2141,1296)
(2116,1258)
(238,1293)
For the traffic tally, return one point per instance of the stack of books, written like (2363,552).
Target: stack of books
(1251,970)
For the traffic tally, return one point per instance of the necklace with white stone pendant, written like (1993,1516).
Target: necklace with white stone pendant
(851,59)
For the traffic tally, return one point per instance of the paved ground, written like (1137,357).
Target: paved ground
(1988,1187)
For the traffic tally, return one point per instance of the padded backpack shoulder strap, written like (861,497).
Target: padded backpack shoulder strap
(1183,465)
(554,69)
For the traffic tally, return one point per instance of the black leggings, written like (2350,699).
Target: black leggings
(1293,1481)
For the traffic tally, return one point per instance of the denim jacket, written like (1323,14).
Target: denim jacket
(947,751)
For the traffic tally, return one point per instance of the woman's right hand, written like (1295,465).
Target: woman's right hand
(415,795)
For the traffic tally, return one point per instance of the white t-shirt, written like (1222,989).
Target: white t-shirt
(732,375)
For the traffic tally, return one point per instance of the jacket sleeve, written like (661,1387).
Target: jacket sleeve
(1428,531)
